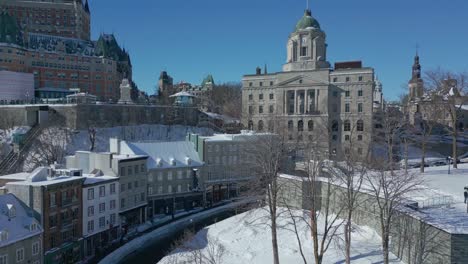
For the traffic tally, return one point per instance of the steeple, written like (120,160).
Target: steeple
(416,84)
(416,68)
(86,7)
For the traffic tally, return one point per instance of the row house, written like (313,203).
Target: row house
(131,171)
(55,201)
(20,232)
(173,174)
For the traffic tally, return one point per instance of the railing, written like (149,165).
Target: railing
(438,201)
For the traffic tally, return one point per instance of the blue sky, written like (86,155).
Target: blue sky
(192,38)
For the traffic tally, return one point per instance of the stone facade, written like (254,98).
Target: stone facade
(311,101)
(82,116)
(174,176)
(412,239)
(226,166)
(422,107)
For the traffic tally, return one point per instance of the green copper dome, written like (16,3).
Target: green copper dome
(307,21)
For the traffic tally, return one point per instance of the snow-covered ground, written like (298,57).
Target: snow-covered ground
(246,238)
(80,140)
(164,231)
(6,138)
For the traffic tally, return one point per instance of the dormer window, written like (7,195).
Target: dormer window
(33,227)
(159,163)
(11,211)
(173,162)
(3,235)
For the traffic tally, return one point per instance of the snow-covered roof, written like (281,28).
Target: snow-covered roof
(22,176)
(232,137)
(19,225)
(186,94)
(163,155)
(93,179)
(225,118)
(41,177)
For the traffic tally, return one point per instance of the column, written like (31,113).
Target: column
(306,107)
(316,107)
(284,102)
(296,110)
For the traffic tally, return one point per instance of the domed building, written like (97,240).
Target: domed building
(309,100)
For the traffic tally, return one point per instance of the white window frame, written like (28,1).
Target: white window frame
(21,251)
(36,245)
(4,259)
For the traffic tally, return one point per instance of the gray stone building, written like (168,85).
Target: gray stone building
(173,174)
(309,100)
(449,100)
(226,166)
(131,171)
(20,232)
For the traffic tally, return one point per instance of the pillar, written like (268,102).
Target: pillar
(296,110)
(316,99)
(306,106)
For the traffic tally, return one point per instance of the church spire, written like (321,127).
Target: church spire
(87,7)
(416,68)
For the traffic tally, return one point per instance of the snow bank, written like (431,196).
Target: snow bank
(247,239)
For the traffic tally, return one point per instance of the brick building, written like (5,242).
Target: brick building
(56,200)
(51,39)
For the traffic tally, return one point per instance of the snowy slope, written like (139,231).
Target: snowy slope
(80,140)
(247,239)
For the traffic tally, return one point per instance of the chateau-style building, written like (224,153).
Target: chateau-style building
(311,101)
(51,39)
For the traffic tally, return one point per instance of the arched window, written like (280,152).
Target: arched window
(335,126)
(300,126)
(271,125)
(360,125)
(310,125)
(290,125)
(347,125)
(250,125)
(260,125)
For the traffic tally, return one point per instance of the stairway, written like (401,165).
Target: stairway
(12,160)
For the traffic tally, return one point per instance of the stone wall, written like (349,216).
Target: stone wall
(412,240)
(82,116)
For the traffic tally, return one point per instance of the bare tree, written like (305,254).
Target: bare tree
(226,99)
(451,88)
(266,155)
(350,174)
(390,190)
(213,253)
(48,148)
(92,137)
